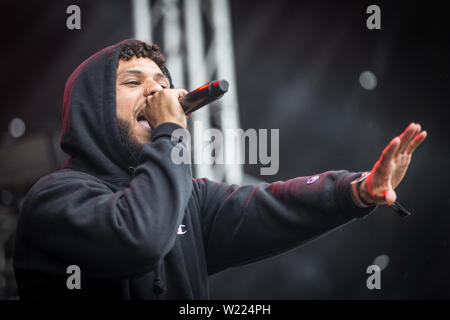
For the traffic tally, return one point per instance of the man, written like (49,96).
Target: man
(136,224)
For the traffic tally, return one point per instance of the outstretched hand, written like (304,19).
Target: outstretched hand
(389,170)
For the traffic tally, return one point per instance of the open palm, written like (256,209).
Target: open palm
(389,170)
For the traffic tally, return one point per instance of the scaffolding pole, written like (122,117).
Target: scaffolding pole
(193,59)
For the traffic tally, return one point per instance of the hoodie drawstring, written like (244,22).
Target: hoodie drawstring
(158,285)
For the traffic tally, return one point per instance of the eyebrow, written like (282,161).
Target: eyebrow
(138,72)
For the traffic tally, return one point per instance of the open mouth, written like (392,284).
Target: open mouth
(143,122)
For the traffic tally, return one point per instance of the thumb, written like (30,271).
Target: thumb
(390,196)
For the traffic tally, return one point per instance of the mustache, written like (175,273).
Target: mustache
(138,111)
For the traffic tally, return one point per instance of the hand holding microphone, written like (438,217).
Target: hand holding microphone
(204,95)
(189,101)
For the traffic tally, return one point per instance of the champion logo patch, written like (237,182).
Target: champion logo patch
(181,229)
(312,179)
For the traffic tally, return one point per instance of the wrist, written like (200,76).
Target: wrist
(364,193)
(359,192)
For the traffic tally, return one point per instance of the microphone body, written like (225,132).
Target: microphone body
(200,97)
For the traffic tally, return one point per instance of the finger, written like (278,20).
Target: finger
(390,196)
(384,164)
(416,142)
(181,92)
(406,136)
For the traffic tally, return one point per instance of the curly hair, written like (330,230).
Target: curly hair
(140,49)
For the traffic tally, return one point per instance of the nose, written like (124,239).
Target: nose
(151,88)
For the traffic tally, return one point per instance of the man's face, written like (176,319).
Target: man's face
(133,77)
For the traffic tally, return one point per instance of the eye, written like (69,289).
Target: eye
(134,83)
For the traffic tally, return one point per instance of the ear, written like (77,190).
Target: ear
(189,114)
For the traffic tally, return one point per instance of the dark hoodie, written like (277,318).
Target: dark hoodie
(152,231)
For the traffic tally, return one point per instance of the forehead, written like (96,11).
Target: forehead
(145,65)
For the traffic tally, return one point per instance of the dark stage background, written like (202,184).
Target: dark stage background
(298,66)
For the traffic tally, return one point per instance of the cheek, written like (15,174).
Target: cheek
(124,104)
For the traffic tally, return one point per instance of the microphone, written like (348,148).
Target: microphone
(207,93)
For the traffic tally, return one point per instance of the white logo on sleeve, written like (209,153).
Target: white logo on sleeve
(312,179)
(180,229)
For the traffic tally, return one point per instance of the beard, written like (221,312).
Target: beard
(127,138)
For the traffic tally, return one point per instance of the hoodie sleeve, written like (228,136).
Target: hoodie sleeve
(71,218)
(243,224)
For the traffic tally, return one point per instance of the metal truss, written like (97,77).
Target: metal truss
(196,38)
